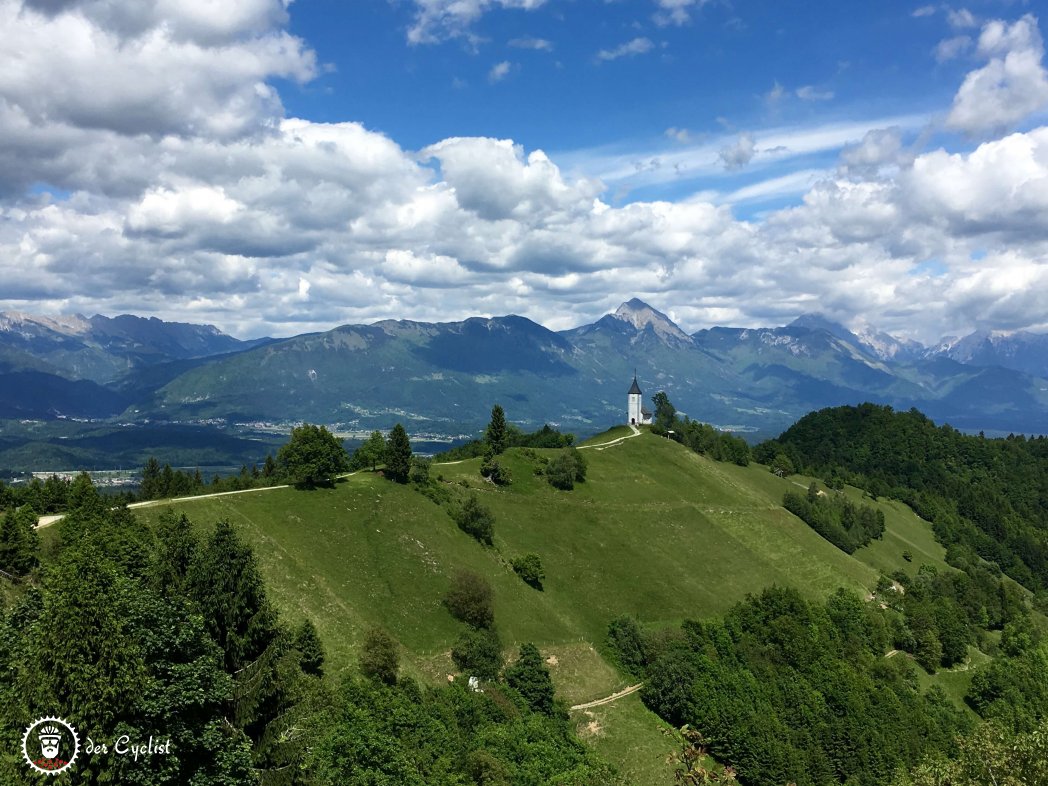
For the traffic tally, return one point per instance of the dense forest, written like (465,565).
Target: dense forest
(986,496)
(169,632)
(788,691)
(846,525)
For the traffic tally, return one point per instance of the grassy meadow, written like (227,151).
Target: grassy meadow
(656,531)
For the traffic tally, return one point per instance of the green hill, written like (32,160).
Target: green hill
(656,531)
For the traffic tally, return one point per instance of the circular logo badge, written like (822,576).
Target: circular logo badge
(50,745)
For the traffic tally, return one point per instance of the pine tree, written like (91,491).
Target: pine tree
(19,541)
(227,586)
(84,498)
(176,547)
(150,488)
(530,677)
(307,642)
(496,433)
(269,468)
(398,455)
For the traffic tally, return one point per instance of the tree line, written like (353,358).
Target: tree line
(843,523)
(702,438)
(988,495)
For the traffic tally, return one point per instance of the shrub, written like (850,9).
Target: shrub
(627,642)
(529,568)
(492,469)
(478,653)
(379,657)
(476,520)
(567,469)
(471,600)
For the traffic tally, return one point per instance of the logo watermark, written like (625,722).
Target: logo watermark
(50,745)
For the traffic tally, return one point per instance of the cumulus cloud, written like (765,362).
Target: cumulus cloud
(878,148)
(1012,85)
(636,46)
(740,153)
(279,225)
(126,67)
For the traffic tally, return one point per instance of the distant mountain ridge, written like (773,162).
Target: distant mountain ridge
(102,348)
(443,377)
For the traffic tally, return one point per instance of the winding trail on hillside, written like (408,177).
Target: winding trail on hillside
(599,446)
(46,521)
(611,698)
(613,442)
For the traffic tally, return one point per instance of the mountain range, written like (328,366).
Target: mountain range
(442,378)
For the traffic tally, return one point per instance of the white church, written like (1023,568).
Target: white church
(637,413)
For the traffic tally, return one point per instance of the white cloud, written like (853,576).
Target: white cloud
(280,225)
(776,93)
(675,12)
(120,66)
(961,18)
(439,20)
(810,93)
(1010,87)
(538,44)
(681,135)
(878,148)
(951,48)
(924,10)
(499,71)
(637,46)
(740,153)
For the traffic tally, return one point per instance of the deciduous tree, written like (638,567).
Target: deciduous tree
(312,455)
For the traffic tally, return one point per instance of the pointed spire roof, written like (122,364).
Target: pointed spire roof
(635,388)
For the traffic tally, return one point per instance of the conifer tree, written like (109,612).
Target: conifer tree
(398,455)
(530,677)
(19,541)
(227,586)
(150,488)
(307,642)
(176,546)
(496,433)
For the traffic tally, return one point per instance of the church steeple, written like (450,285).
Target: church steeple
(634,388)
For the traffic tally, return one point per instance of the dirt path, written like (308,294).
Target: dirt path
(613,442)
(150,503)
(612,697)
(46,521)
(600,446)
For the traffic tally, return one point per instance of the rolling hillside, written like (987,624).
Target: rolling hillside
(656,531)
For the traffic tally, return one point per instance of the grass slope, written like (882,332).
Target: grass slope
(656,531)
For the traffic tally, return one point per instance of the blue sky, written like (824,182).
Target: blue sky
(273,167)
(725,70)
